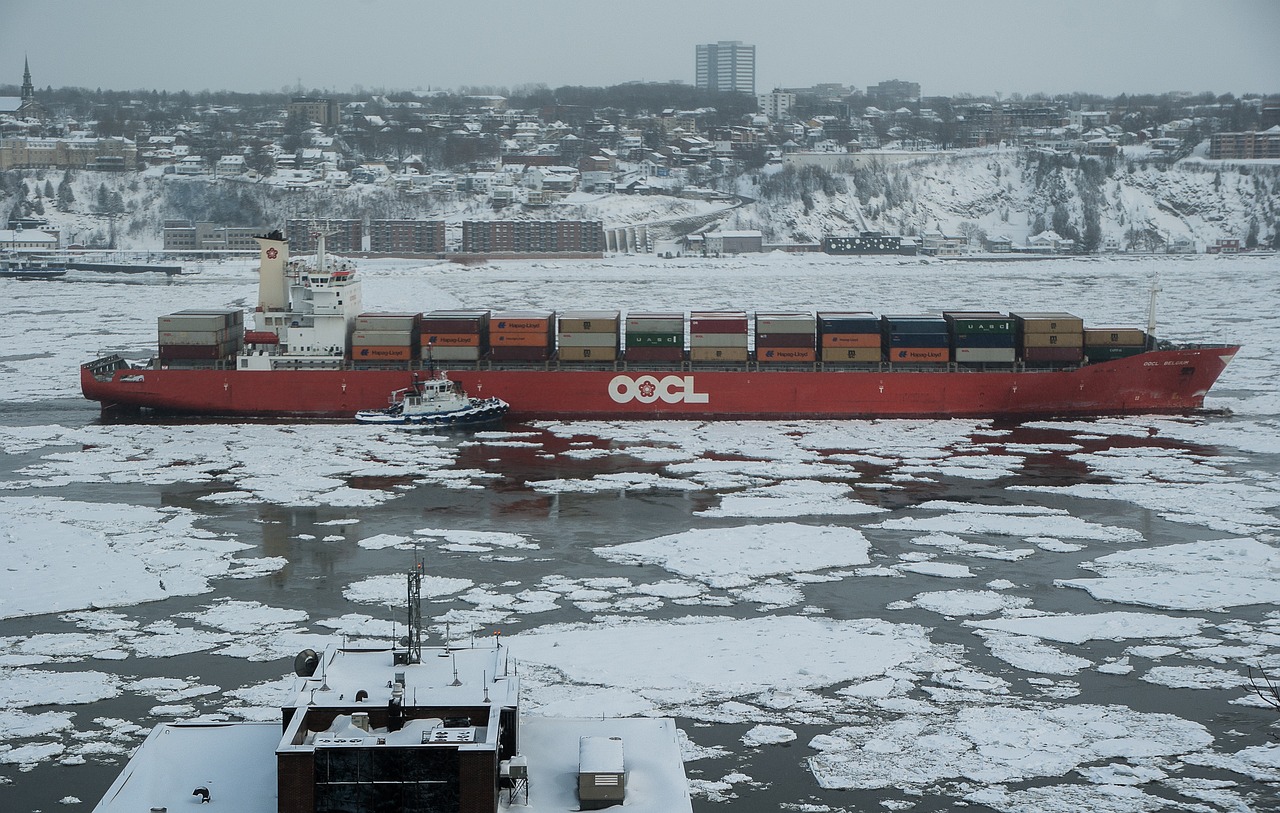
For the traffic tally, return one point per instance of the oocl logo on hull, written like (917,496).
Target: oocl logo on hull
(646,389)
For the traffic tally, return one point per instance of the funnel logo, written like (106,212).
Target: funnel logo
(671,389)
(272,253)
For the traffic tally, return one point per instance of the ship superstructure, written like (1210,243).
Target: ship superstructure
(306,312)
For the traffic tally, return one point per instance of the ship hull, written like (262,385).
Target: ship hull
(1165,381)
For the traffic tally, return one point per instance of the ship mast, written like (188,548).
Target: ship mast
(1151,312)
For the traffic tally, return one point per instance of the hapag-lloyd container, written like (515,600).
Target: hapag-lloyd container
(451,339)
(521,322)
(869,340)
(792,354)
(380,353)
(519,339)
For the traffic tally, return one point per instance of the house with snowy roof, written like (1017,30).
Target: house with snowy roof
(1049,242)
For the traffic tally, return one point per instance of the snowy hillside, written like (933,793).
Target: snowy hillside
(1134,204)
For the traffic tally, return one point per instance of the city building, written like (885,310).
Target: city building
(777,104)
(576,237)
(24,106)
(62,153)
(321,111)
(1265,144)
(406,236)
(727,65)
(893,93)
(185,235)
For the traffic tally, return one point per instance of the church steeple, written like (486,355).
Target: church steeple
(28,90)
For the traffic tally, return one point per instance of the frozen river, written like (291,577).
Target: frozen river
(841,615)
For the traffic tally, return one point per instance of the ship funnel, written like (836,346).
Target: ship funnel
(273,291)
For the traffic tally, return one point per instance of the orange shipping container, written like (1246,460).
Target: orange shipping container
(858,354)
(375,353)
(851,340)
(520,325)
(785,354)
(919,354)
(521,339)
(451,339)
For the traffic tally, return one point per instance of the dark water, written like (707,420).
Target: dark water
(567,527)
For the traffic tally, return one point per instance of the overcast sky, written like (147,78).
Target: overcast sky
(979,46)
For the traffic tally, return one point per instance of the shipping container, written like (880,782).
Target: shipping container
(261,337)
(522,321)
(1048,323)
(655,323)
(384,338)
(989,340)
(978,322)
(587,339)
(589,322)
(851,340)
(831,322)
(786,323)
(388,321)
(1115,337)
(205,337)
(649,354)
(655,340)
(456,321)
(733,354)
(523,339)
(785,340)
(382,353)
(1096,354)
(233,316)
(1053,340)
(916,355)
(718,322)
(194,322)
(718,340)
(860,355)
(196,352)
(451,339)
(986,355)
(775,354)
(451,353)
(510,353)
(913,324)
(917,340)
(588,353)
(1060,354)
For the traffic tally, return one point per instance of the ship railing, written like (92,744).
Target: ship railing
(105,366)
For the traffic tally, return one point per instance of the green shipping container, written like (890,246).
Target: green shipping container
(1099,354)
(994,325)
(655,340)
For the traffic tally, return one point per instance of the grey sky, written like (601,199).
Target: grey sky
(979,46)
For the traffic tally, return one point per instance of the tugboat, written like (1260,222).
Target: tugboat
(436,402)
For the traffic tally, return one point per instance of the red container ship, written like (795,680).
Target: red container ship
(298,362)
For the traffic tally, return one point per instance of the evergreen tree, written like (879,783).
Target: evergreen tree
(65,196)
(1251,239)
(104,199)
(48,189)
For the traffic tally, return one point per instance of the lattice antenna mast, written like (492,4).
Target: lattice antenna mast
(414,601)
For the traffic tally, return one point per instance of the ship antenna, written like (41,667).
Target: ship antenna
(1151,312)
(414,600)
